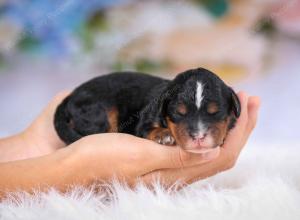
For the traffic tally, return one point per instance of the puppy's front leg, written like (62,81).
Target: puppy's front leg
(161,136)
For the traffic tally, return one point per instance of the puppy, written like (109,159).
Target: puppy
(195,110)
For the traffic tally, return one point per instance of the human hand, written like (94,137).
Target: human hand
(41,136)
(127,158)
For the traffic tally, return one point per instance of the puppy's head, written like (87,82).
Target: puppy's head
(199,109)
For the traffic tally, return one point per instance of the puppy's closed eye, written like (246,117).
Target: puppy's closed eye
(212,108)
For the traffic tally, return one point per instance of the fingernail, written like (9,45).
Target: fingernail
(212,154)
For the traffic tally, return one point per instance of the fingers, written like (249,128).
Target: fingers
(159,156)
(52,105)
(134,157)
(243,97)
(184,175)
(58,99)
(253,106)
(42,128)
(237,133)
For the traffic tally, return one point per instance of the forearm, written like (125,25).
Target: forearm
(59,170)
(27,145)
(14,148)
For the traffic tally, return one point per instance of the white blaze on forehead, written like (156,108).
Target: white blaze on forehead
(198,95)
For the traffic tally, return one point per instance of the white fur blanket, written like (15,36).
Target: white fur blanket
(265,184)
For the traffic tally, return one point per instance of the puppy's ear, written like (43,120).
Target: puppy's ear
(164,99)
(162,107)
(235,103)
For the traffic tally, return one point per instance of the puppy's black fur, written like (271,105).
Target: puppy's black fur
(150,107)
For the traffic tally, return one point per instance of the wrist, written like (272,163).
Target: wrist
(66,169)
(90,163)
(77,165)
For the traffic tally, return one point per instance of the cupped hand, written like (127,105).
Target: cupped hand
(40,135)
(103,157)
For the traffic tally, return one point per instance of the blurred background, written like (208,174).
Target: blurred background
(51,45)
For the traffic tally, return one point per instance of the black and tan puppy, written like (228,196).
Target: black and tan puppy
(195,110)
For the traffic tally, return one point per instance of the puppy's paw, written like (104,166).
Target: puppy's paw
(165,137)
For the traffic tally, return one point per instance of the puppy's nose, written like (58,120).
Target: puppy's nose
(199,135)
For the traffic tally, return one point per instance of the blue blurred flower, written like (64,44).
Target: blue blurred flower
(51,23)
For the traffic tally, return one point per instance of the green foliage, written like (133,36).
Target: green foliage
(266,26)
(28,42)
(144,65)
(141,65)
(120,66)
(216,7)
(2,62)
(87,39)
(98,22)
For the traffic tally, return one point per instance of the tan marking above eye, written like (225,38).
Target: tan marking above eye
(212,108)
(182,109)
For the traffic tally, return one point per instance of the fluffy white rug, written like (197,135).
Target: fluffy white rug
(265,184)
